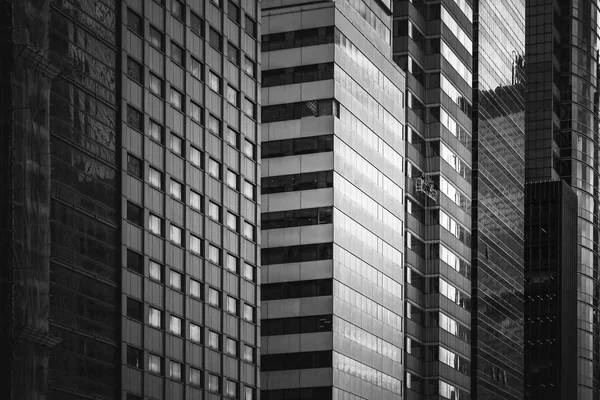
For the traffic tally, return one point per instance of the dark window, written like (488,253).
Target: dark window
(134,118)
(177,53)
(135,309)
(135,262)
(197,69)
(135,357)
(305,393)
(301,38)
(135,70)
(292,326)
(197,24)
(233,11)
(304,360)
(134,22)
(215,39)
(292,183)
(301,74)
(233,53)
(291,147)
(134,166)
(250,26)
(301,217)
(177,9)
(135,214)
(303,253)
(297,289)
(157,38)
(291,111)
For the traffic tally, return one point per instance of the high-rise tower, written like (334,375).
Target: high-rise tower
(332,202)
(130,198)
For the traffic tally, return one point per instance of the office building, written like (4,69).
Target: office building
(129,199)
(332,202)
(550,291)
(464,249)
(562,143)
(433,43)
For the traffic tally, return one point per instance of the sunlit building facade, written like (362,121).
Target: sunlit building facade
(332,203)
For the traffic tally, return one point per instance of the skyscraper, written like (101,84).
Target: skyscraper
(550,291)
(562,143)
(433,43)
(464,249)
(332,205)
(129,198)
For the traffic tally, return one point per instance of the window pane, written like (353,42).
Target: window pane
(194,377)
(214,254)
(195,289)
(176,189)
(249,67)
(231,305)
(195,201)
(248,313)
(232,221)
(134,70)
(231,179)
(155,318)
(214,211)
(177,53)
(215,39)
(154,364)
(231,263)
(155,178)
(156,38)
(213,297)
(175,370)
(175,280)
(231,347)
(213,340)
(155,225)
(155,131)
(134,22)
(232,95)
(176,144)
(195,245)
(196,157)
(155,271)
(134,166)
(195,335)
(231,389)
(176,99)
(156,85)
(214,82)
(213,168)
(175,326)
(175,235)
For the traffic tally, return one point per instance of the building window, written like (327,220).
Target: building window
(134,118)
(175,279)
(156,38)
(196,157)
(232,96)
(291,183)
(231,137)
(213,383)
(197,24)
(155,225)
(176,99)
(195,245)
(155,318)
(232,221)
(134,166)
(301,253)
(231,389)
(176,189)
(197,113)
(215,39)
(155,178)
(214,168)
(233,11)
(248,313)
(249,67)
(213,340)
(195,201)
(155,271)
(248,354)
(296,146)
(248,271)
(231,306)
(214,254)
(248,393)
(250,26)
(195,333)
(135,70)
(233,53)
(135,214)
(197,69)
(135,22)
(248,190)
(214,82)
(177,53)
(214,211)
(135,309)
(156,85)
(231,263)
(175,370)
(176,235)
(248,231)
(135,262)
(176,144)
(175,325)
(213,297)
(134,357)
(214,125)
(155,364)
(195,377)
(231,179)
(155,131)
(177,9)
(249,108)
(231,347)
(195,289)
(248,149)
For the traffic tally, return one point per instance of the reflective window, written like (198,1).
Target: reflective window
(291,183)
(213,168)
(195,289)
(197,24)
(135,309)
(176,144)
(300,38)
(214,125)
(248,313)
(156,38)
(155,270)
(231,306)
(296,325)
(299,74)
(213,297)
(176,189)
(249,231)
(292,111)
(135,70)
(214,211)
(155,225)
(195,333)
(154,364)
(213,340)
(248,190)
(155,178)
(249,67)
(301,217)
(195,377)
(231,179)
(302,253)
(214,254)
(298,289)
(231,390)
(155,318)
(155,131)
(213,383)
(176,99)
(196,157)
(249,108)
(214,82)
(232,96)
(177,53)
(176,235)
(250,26)
(135,119)
(231,347)
(196,113)
(303,360)
(156,85)
(232,221)
(195,201)
(175,370)
(233,54)
(134,166)
(195,245)
(175,279)
(233,11)
(248,272)
(296,146)
(175,325)
(248,354)
(197,69)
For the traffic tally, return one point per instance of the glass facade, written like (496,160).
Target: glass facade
(562,143)
(432,43)
(150,209)
(498,200)
(332,204)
